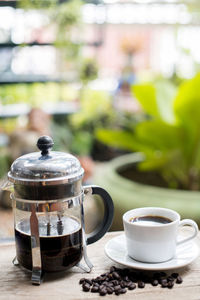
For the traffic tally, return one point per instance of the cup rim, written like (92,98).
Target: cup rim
(156,208)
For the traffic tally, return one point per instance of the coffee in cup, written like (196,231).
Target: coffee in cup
(152,233)
(150,220)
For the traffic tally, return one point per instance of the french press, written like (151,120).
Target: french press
(49,214)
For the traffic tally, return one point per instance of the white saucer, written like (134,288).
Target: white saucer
(115,249)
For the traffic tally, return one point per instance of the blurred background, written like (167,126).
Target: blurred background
(114,82)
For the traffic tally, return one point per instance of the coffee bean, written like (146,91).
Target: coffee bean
(101,286)
(82,280)
(116,275)
(86,287)
(141,284)
(163,280)
(110,276)
(115,282)
(179,280)
(117,288)
(154,282)
(123,284)
(102,278)
(170,284)
(123,291)
(98,279)
(106,283)
(118,280)
(132,286)
(170,278)
(88,281)
(175,275)
(160,280)
(110,284)
(110,290)
(112,269)
(127,283)
(96,284)
(126,278)
(117,293)
(103,292)
(95,289)
(164,283)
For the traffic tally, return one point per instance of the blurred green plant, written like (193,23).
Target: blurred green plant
(96,107)
(35,4)
(69,140)
(170,138)
(64,17)
(77,133)
(88,70)
(37,93)
(4,161)
(67,16)
(8,125)
(95,111)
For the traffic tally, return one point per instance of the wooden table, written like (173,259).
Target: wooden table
(15,282)
(6,223)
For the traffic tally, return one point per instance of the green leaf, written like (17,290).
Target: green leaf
(154,161)
(116,138)
(146,95)
(187,111)
(158,135)
(157,99)
(165,94)
(187,102)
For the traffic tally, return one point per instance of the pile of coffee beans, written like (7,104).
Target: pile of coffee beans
(118,281)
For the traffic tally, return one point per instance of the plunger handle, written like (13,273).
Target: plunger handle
(45,143)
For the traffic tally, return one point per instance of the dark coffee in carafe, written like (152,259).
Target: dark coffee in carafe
(60,248)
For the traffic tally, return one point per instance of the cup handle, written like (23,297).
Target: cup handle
(108,213)
(193,225)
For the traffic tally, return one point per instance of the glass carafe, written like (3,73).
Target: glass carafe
(48,208)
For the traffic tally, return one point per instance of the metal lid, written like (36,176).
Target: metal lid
(45,167)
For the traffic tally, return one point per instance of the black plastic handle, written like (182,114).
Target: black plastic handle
(108,214)
(45,143)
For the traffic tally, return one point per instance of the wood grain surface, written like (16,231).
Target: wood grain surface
(15,282)
(6,223)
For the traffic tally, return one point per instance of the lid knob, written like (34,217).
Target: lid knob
(45,143)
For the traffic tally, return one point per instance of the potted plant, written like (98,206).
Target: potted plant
(166,172)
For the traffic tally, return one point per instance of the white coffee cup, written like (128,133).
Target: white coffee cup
(154,242)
